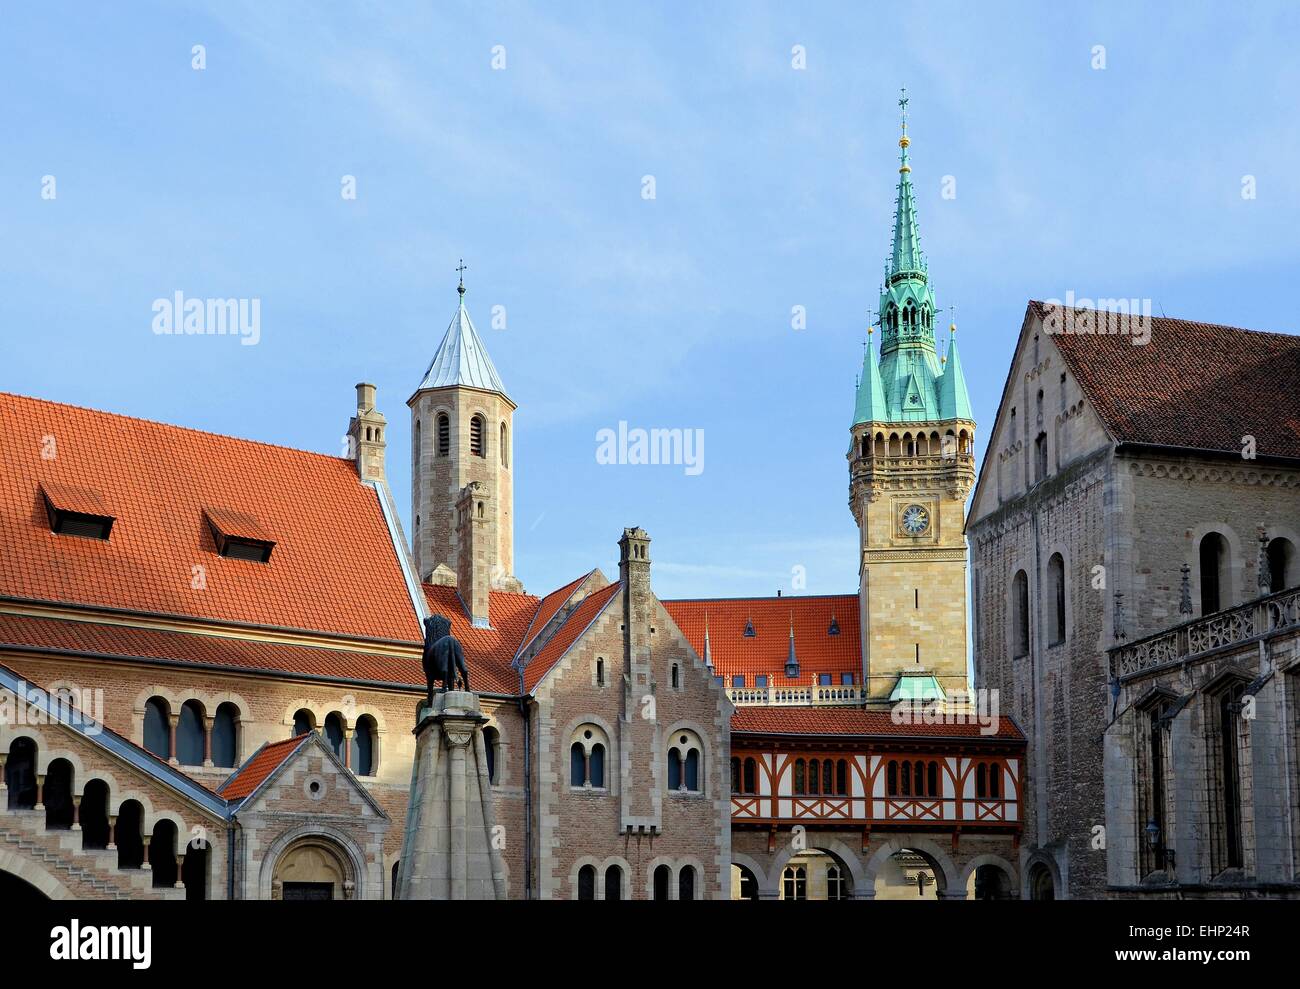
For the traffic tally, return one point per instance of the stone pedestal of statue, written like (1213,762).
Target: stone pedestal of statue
(451,849)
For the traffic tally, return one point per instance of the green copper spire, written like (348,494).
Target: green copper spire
(954,402)
(871,393)
(908,384)
(907,255)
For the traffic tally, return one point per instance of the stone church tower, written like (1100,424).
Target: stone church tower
(911,465)
(462,434)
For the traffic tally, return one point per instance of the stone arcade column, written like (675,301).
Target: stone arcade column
(449,851)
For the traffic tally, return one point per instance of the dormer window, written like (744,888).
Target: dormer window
(76,511)
(238,535)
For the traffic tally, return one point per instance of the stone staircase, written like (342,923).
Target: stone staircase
(87,873)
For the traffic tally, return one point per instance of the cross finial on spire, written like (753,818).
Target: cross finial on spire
(461,269)
(902,103)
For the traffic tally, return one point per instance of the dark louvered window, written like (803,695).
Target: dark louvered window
(477,439)
(444,435)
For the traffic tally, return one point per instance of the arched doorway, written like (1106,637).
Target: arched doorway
(744,884)
(312,868)
(57,796)
(194,869)
(907,875)
(162,855)
(128,835)
(14,890)
(815,874)
(20,774)
(992,882)
(1041,886)
(93,815)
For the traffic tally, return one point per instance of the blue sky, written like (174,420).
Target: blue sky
(774,188)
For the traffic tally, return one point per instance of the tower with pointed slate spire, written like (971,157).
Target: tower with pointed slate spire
(462,431)
(911,466)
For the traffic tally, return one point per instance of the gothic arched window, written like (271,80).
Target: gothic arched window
(363,746)
(189,734)
(444,435)
(157,730)
(1056,586)
(224,742)
(1280,553)
(477,437)
(1020,615)
(1214,559)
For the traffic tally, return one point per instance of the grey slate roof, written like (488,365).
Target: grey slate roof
(462,359)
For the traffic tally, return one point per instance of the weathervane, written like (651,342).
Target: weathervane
(902,102)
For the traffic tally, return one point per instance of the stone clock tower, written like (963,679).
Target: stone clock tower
(911,466)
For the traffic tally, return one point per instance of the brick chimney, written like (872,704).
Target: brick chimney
(475,542)
(366,432)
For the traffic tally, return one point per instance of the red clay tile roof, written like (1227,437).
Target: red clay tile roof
(74,498)
(208,650)
(334,568)
(549,607)
(734,654)
(260,765)
(241,525)
(489,652)
(1193,385)
(567,634)
(853,721)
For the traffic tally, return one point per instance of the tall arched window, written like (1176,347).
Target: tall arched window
(334,733)
(577,765)
(613,883)
(1280,575)
(1056,586)
(224,743)
(364,737)
(189,734)
(419,449)
(1020,614)
(477,437)
(444,435)
(663,876)
(587,882)
(505,447)
(684,762)
(1214,559)
(157,729)
(686,883)
(303,722)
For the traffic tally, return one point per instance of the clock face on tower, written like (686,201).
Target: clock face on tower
(915,520)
